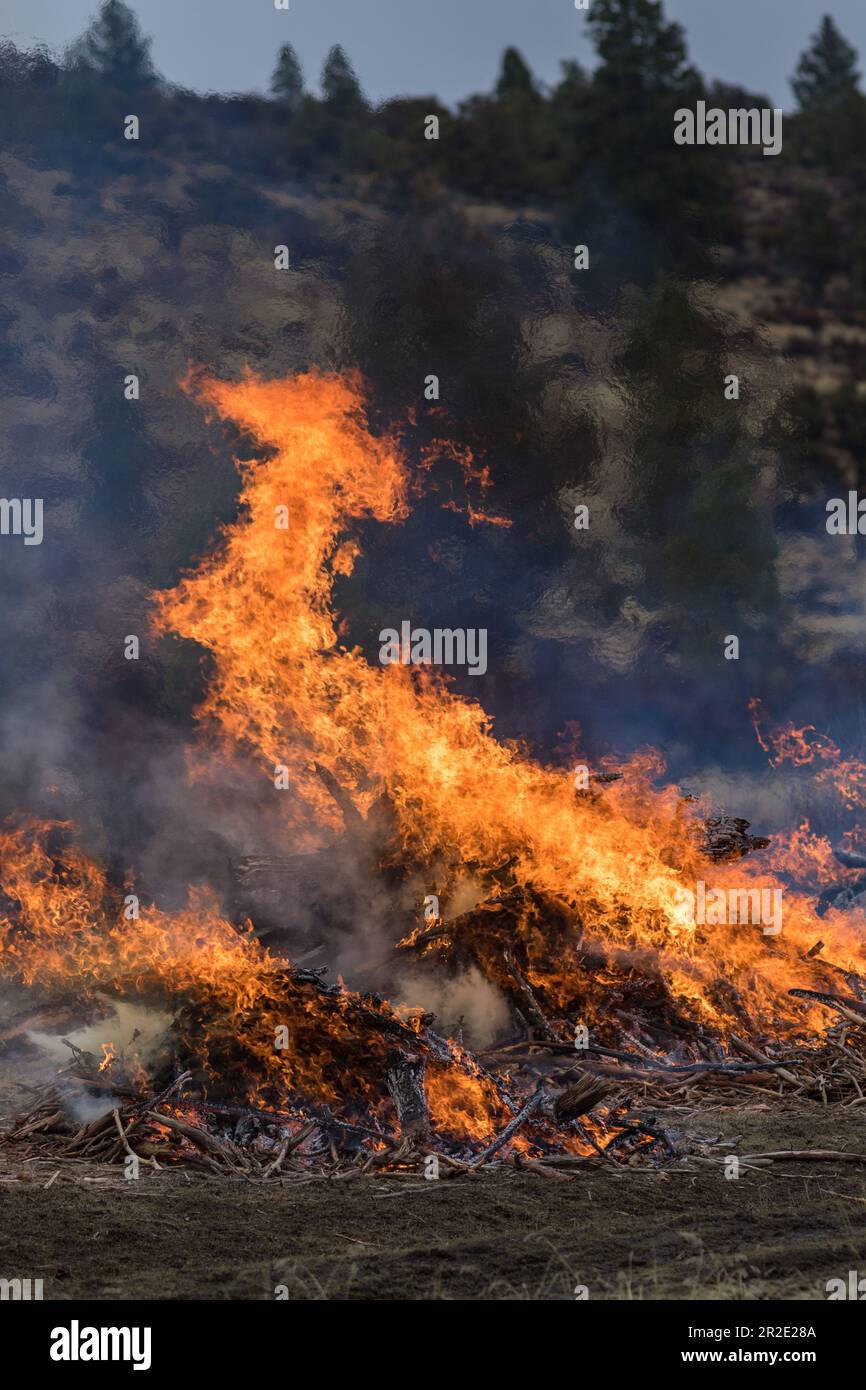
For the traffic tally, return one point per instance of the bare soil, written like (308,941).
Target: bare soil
(680,1232)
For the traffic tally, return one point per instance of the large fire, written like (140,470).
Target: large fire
(566,873)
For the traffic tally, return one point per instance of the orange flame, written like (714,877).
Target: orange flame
(595,873)
(284,687)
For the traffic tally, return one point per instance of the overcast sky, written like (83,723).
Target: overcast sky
(446,47)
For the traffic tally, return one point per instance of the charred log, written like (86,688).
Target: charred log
(404,1078)
(727,838)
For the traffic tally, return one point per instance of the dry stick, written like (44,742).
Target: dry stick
(287,1145)
(757,1056)
(807,1155)
(274,1167)
(379,1134)
(327,1119)
(641,1047)
(460,1164)
(683,1069)
(536,1013)
(142,1107)
(830,1002)
(531,1165)
(755,1165)
(649,1069)
(125,1142)
(576,1125)
(577,1161)
(628,1127)
(405,1191)
(730,1073)
(510,1129)
(40,1122)
(301,1135)
(164,1095)
(123,1139)
(399,1153)
(98,1083)
(92,1136)
(208,1143)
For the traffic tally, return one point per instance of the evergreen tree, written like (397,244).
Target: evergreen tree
(624,143)
(573,79)
(114,46)
(695,478)
(287,83)
(341,89)
(827,70)
(638,48)
(568,99)
(515,78)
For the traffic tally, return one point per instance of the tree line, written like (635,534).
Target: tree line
(597,148)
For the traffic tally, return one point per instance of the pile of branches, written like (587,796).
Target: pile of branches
(178,1127)
(555,1100)
(201,1114)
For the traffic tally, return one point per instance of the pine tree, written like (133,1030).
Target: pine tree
(638,48)
(618,145)
(515,78)
(114,46)
(341,89)
(287,83)
(827,70)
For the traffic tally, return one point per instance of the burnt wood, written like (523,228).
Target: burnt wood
(404,1078)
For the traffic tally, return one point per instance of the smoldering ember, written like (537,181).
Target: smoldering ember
(559,922)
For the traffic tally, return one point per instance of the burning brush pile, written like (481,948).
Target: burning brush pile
(430,861)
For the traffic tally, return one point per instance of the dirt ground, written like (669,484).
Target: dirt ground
(684,1232)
